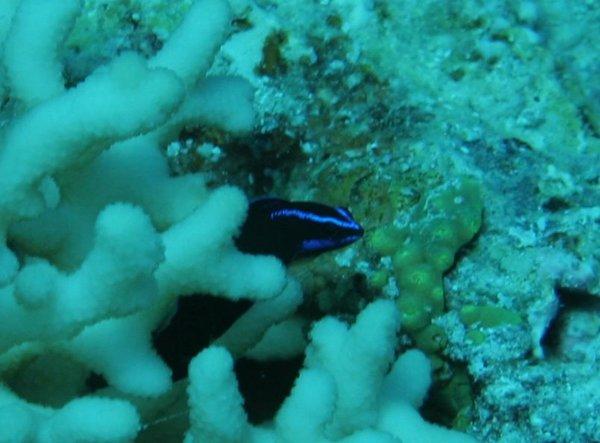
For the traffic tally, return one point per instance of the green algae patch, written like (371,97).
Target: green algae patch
(489,316)
(476,336)
(431,339)
(385,240)
(379,279)
(421,251)
(425,248)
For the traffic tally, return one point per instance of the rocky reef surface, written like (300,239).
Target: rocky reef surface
(465,137)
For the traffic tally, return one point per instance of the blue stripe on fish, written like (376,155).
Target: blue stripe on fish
(315,218)
(291,230)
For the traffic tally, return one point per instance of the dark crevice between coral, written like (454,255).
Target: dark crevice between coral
(467,248)
(95,382)
(265,385)
(449,401)
(199,320)
(269,158)
(260,164)
(570,299)
(555,204)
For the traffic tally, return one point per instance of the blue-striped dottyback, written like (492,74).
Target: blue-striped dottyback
(291,230)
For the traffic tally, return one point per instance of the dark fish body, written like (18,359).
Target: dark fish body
(291,230)
(288,230)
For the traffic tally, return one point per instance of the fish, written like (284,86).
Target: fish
(291,230)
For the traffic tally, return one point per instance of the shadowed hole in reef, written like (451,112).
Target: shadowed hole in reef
(95,381)
(198,321)
(555,204)
(264,385)
(449,400)
(570,300)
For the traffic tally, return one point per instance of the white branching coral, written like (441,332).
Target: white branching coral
(97,240)
(82,419)
(345,393)
(45,304)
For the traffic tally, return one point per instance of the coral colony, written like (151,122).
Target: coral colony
(256,221)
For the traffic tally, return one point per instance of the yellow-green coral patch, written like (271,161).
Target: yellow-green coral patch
(425,248)
(489,316)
